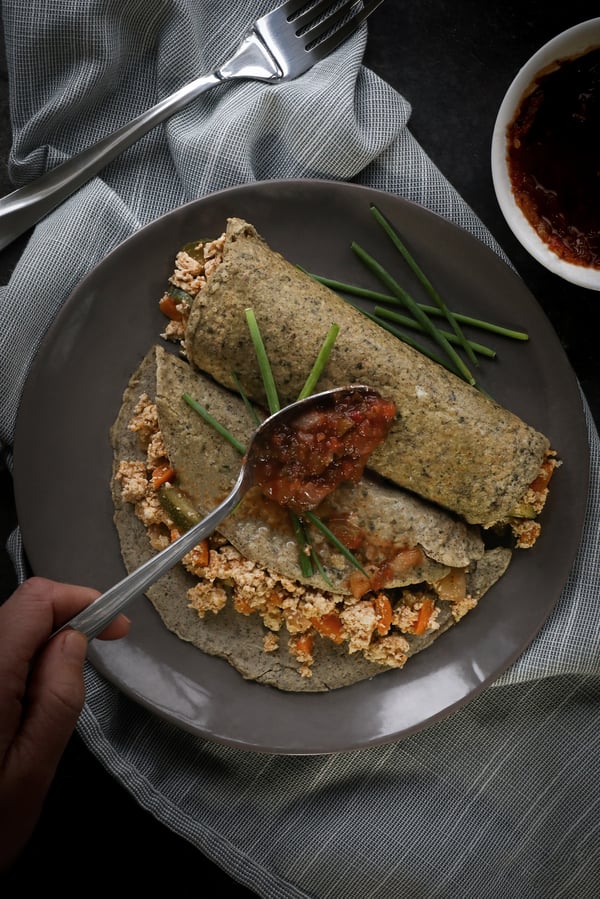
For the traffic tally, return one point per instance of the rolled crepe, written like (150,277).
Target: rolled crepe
(206,468)
(449,443)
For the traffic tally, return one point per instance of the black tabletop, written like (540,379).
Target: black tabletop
(453,62)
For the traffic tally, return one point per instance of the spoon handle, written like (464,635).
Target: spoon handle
(95,617)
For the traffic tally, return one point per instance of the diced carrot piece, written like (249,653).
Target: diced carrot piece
(162,474)
(329,626)
(383,610)
(202,553)
(168,306)
(274,599)
(543,478)
(425,613)
(303,644)
(382,576)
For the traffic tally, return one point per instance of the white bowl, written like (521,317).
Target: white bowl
(572,42)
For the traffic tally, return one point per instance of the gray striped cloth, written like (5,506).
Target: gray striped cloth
(500,800)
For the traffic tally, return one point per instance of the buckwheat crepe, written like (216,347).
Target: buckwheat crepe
(206,468)
(450,444)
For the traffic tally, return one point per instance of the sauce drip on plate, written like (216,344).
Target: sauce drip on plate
(554,158)
(306,459)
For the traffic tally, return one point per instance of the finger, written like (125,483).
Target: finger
(27,619)
(37,607)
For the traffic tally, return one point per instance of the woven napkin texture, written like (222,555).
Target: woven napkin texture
(499,800)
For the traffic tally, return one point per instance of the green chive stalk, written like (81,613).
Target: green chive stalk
(459,366)
(377,297)
(437,299)
(407,322)
(263,363)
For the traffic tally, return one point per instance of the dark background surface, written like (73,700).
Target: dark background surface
(453,62)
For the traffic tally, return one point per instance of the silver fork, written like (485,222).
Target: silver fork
(277,47)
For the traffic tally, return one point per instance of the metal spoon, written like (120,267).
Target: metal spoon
(95,617)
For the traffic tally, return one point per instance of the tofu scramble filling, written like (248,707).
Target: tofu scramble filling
(378,623)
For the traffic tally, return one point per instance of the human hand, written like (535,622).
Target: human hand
(41,695)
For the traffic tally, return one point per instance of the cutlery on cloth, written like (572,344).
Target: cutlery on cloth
(95,617)
(277,47)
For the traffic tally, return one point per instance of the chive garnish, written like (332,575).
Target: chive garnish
(437,299)
(314,519)
(320,362)
(459,366)
(319,565)
(407,322)
(406,339)
(305,561)
(244,396)
(205,414)
(263,363)
(368,294)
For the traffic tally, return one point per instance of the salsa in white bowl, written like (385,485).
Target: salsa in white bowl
(545,153)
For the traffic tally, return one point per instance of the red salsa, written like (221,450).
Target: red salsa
(553,158)
(307,458)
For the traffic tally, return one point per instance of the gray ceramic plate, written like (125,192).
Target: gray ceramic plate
(73,394)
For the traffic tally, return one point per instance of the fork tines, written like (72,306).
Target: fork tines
(325,24)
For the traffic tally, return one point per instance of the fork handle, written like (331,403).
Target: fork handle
(23,208)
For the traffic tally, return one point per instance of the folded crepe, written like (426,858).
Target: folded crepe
(243,595)
(450,443)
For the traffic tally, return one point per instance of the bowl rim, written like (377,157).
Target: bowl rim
(573,41)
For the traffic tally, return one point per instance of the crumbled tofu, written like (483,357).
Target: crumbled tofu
(525,532)
(213,254)
(404,617)
(159,536)
(133,479)
(156,452)
(205,597)
(462,606)
(391,651)
(188,274)
(150,511)
(359,621)
(270,642)
(145,419)
(175,331)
